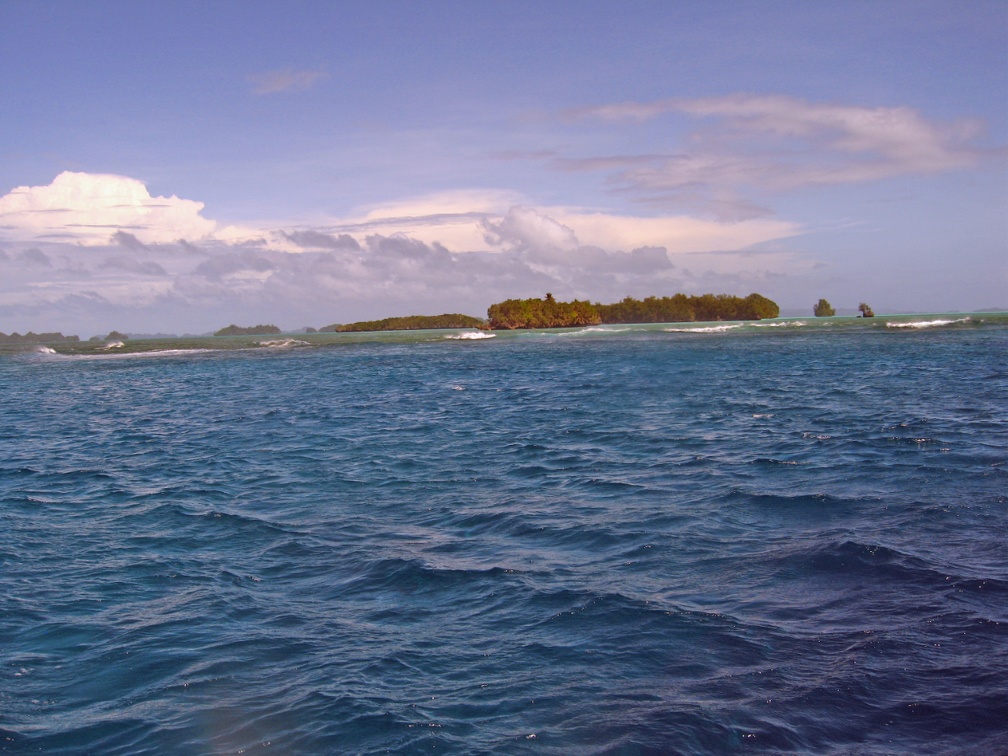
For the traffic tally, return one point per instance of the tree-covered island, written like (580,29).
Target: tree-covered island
(549,313)
(823,309)
(408,323)
(541,313)
(233,330)
(36,338)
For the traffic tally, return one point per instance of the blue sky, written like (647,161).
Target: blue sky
(179,166)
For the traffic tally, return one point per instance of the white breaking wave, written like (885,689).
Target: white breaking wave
(784,324)
(705,329)
(926,323)
(282,343)
(471,335)
(114,345)
(137,355)
(595,329)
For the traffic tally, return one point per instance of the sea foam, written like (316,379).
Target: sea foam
(282,343)
(470,336)
(926,323)
(706,329)
(782,324)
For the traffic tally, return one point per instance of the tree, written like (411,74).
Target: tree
(823,309)
(757,307)
(865,310)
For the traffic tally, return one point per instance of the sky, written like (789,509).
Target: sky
(174,167)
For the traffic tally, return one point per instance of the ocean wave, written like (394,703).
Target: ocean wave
(858,561)
(594,330)
(471,336)
(620,543)
(139,354)
(926,323)
(705,329)
(282,343)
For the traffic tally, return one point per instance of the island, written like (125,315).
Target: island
(823,309)
(233,330)
(541,313)
(36,338)
(408,323)
(679,308)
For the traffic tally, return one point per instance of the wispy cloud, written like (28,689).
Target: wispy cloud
(284,80)
(487,220)
(779,143)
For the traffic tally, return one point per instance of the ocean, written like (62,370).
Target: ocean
(785,536)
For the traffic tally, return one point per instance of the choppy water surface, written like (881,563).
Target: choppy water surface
(629,540)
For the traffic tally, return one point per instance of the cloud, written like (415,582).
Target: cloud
(90,209)
(284,80)
(778,143)
(499,221)
(130,265)
(318,240)
(36,257)
(236,266)
(901,140)
(127,240)
(98,252)
(525,228)
(449,218)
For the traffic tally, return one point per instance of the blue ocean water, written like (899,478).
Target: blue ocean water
(785,536)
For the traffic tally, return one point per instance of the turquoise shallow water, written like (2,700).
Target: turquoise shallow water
(784,536)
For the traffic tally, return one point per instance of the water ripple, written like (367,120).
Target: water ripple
(634,541)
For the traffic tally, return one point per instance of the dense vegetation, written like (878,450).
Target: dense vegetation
(681,309)
(548,313)
(823,309)
(233,330)
(409,323)
(36,338)
(865,310)
(541,313)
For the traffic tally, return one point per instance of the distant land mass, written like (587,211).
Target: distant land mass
(36,338)
(408,323)
(549,313)
(233,330)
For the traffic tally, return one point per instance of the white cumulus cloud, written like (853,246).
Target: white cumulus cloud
(89,208)
(524,228)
